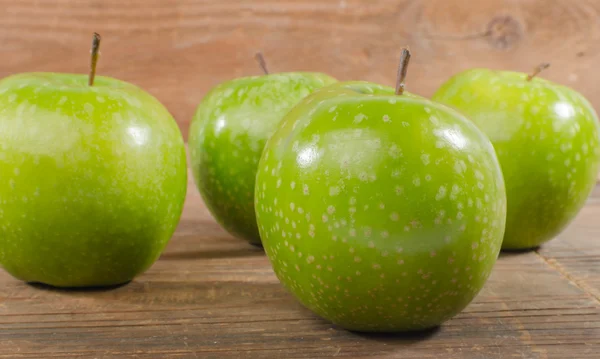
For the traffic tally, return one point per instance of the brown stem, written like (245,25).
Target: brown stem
(539,68)
(261,62)
(95,52)
(402,68)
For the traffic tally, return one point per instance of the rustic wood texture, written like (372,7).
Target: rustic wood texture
(179,49)
(213,296)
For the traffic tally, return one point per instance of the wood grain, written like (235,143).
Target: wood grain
(179,49)
(212,296)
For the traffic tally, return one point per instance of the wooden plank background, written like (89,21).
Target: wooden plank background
(179,49)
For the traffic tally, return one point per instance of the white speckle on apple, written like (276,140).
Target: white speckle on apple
(62,100)
(460,166)
(585,148)
(425,158)
(441,193)
(455,191)
(89,108)
(359,118)
(334,191)
(394,216)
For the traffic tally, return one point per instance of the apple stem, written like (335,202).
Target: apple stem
(539,68)
(261,62)
(95,52)
(402,68)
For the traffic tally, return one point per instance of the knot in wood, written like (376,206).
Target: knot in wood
(504,32)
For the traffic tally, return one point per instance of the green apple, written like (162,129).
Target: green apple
(380,212)
(93,179)
(546,138)
(227,136)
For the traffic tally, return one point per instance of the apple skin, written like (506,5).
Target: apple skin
(380,212)
(227,136)
(546,138)
(93,179)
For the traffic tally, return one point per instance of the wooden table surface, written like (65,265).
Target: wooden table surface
(213,296)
